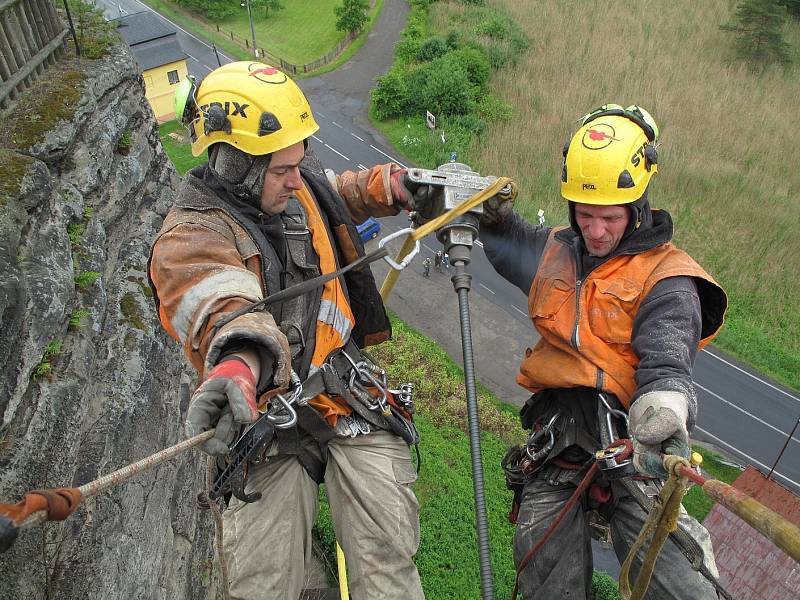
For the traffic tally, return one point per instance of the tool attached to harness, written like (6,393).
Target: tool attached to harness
(613,460)
(614,463)
(255,437)
(521,462)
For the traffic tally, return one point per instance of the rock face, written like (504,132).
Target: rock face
(89,381)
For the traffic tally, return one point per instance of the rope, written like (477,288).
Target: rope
(211,474)
(662,520)
(59,503)
(434,224)
(573,499)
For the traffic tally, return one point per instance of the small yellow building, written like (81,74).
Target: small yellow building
(155,44)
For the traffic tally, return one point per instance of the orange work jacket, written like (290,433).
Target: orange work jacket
(586,326)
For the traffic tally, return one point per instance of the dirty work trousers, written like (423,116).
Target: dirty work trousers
(375,515)
(562,568)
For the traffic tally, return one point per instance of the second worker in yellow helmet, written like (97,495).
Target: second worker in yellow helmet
(621,314)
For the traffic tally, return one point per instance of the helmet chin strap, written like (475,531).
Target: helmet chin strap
(242,174)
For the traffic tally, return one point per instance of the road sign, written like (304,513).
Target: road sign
(431,119)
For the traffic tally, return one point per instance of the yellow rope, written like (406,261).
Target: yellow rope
(662,520)
(434,224)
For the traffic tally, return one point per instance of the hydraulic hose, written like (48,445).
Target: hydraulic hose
(461,282)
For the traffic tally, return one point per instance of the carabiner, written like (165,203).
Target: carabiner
(405,262)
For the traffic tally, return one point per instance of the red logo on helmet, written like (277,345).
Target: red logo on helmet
(599,136)
(266,73)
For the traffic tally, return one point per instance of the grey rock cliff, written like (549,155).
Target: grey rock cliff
(89,381)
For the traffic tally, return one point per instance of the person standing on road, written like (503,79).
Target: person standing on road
(438,261)
(621,313)
(426,266)
(249,223)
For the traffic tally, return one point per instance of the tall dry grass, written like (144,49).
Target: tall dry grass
(729,167)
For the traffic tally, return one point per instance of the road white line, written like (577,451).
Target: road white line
(191,35)
(524,314)
(190,56)
(751,415)
(319,114)
(766,383)
(486,288)
(362,167)
(428,248)
(393,159)
(355,136)
(479,243)
(335,150)
(337,125)
(750,458)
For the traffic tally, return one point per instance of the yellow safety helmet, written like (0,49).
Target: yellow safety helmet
(611,157)
(251,106)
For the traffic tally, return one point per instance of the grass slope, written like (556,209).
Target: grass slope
(725,172)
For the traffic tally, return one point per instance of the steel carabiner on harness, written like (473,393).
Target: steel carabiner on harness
(364,374)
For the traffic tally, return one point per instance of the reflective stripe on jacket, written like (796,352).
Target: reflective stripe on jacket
(586,326)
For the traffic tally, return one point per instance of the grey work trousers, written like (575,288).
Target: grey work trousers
(562,568)
(375,515)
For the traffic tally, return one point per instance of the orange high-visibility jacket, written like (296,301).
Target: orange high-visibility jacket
(204,264)
(586,326)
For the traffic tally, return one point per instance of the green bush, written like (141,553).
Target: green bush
(491,109)
(475,62)
(447,90)
(432,48)
(453,39)
(390,95)
(497,28)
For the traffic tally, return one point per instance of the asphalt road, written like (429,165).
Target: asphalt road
(741,412)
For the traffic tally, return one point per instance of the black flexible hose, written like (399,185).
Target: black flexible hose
(461,282)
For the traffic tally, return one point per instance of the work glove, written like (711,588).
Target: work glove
(497,208)
(424,202)
(226,399)
(657,422)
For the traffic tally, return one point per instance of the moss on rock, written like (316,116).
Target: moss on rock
(15,167)
(40,108)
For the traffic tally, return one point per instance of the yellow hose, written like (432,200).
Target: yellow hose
(344,592)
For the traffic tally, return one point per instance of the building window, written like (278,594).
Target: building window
(173,77)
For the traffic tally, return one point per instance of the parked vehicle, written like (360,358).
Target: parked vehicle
(369,229)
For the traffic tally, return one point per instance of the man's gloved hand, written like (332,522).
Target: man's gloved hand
(658,426)
(227,397)
(497,208)
(426,202)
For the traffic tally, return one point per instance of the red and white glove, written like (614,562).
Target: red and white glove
(227,396)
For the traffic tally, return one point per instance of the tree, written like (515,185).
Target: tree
(793,6)
(351,15)
(758,27)
(267,5)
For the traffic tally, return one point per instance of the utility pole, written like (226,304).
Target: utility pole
(252,29)
(780,454)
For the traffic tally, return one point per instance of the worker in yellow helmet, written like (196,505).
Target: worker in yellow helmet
(257,219)
(621,314)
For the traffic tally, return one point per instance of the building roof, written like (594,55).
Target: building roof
(152,39)
(750,566)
